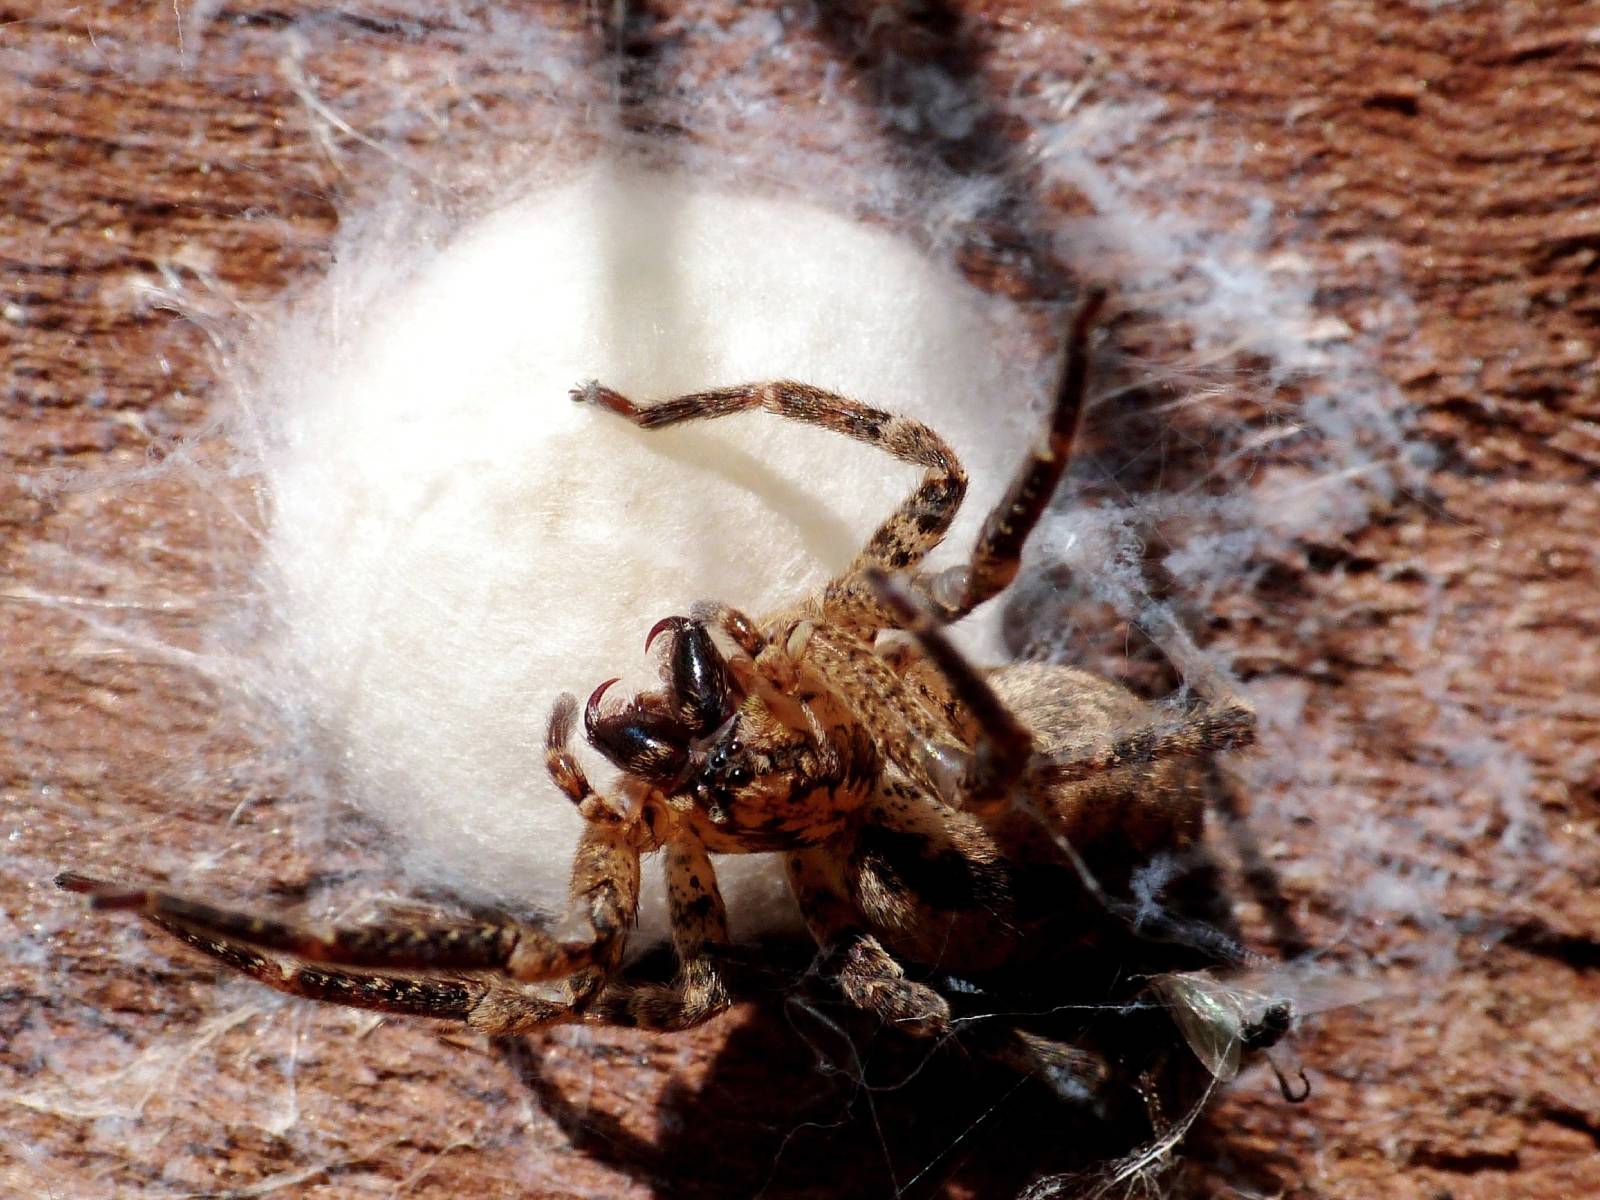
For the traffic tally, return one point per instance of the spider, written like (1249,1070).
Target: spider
(929,813)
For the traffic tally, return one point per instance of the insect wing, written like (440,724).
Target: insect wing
(1210,1016)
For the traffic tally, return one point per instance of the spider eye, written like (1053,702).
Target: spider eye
(722,767)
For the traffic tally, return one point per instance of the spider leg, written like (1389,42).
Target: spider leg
(1202,732)
(479,1001)
(1003,753)
(1074,1073)
(903,539)
(605,895)
(399,948)
(698,993)
(1003,746)
(895,715)
(699,923)
(605,891)
(503,959)
(866,973)
(997,555)
(491,1004)
(699,929)
(444,999)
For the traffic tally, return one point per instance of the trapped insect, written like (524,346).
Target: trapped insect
(936,820)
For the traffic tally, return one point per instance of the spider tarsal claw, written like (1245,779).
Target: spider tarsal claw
(594,392)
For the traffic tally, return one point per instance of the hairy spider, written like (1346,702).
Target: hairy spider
(930,814)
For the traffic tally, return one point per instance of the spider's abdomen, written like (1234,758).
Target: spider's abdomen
(1128,813)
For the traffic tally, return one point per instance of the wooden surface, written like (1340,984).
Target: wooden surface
(1427,794)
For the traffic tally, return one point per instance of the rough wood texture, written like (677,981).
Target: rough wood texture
(1440,156)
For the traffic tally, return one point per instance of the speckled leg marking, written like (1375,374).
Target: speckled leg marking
(895,715)
(490,1004)
(443,999)
(605,877)
(867,975)
(910,532)
(485,945)
(1200,733)
(605,895)
(998,552)
(699,928)
(524,952)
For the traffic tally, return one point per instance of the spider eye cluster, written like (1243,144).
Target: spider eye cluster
(717,764)
(653,736)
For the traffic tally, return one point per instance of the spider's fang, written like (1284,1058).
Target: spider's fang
(591,710)
(660,627)
(643,738)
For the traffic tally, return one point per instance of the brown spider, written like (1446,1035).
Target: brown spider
(929,813)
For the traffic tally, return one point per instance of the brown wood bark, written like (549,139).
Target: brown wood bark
(1453,146)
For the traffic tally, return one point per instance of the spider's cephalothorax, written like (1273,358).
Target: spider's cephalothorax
(933,815)
(744,768)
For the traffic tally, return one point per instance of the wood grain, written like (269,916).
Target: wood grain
(1439,158)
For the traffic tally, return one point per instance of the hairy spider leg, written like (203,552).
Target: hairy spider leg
(1073,1072)
(698,993)
(473,947)
(896,716)
(997,554)
(605,889)
(1202,732)
(902,540)
(1003,754)
(836,891)
(443,999)
(1004,745)
(491,1003)
(865,972)
(699,930)
(605,879)
(698,918)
